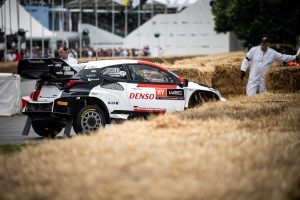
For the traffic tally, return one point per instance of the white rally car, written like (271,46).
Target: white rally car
(92,94)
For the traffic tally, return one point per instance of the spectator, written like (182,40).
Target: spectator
(11,56)
(261,57)
(63,54)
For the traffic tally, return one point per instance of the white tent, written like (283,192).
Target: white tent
(101,38)
(10,20)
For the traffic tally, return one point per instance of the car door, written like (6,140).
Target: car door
(112,90)
(153,89)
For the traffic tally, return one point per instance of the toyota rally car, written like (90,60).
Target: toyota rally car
(92,94)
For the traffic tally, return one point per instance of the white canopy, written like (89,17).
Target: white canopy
(10,23)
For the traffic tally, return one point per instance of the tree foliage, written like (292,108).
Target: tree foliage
(250,20)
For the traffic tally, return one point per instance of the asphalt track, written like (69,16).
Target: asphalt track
(11,127)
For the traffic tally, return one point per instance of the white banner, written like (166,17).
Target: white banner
(10,97)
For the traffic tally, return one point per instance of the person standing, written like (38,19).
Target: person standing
(63,54)
(261,57)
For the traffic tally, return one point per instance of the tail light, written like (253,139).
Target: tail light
(71,83)
(24,101)
(35,94)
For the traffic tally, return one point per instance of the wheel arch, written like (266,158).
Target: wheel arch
(100,104)
(204,95)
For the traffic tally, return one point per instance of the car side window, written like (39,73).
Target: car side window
(89,74)
(116,71)
(149,74)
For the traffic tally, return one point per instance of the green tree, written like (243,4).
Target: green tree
(250,20)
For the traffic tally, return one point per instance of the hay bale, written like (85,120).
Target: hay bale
(195,75)
(227,79)
(8,67)
(285,79)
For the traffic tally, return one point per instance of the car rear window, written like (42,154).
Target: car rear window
(116,71)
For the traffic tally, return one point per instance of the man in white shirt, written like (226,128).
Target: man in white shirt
(261,57)
(63,54)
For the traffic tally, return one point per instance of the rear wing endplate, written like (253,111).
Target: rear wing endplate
(46,68)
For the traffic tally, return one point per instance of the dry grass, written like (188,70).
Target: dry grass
(247,148)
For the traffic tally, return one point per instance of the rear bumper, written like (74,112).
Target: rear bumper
(41,111)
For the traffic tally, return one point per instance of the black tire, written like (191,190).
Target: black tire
(89,119)
(46,129)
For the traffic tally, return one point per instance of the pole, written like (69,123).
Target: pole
(30,30)
(53,21)
(62,16)
(5,41)
(113,24)
(70,21)
(79,29)
(139,23)
(18,23)
(96,14)
(9,12)
(2,19)
(126,26)
(18,14)
(42,22)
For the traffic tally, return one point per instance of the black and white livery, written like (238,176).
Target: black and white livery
(92,94)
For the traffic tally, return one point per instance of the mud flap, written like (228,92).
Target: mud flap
(68,127)
(27,126)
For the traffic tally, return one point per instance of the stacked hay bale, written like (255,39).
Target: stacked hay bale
(286,79)
(227,79)
(222,72)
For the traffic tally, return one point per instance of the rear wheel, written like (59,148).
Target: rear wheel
(89,119)
(46,129)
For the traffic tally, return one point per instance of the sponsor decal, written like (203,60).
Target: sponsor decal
(90,75)
(93,79)
(122,73)
(57,65)
(59,73)
(67,68)
(149,110)
(169,94)
(141,96)
(36,61)
(113,102)
(68,73)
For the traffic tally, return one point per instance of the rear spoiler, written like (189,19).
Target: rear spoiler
(45,68)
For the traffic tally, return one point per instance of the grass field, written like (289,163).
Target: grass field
(246,148)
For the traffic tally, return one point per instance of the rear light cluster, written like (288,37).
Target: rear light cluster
(35,94)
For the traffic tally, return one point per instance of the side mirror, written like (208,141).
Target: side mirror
(185,83)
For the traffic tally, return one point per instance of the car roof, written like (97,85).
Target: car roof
(106,63)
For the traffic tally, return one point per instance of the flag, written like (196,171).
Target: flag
(135,3)
(125,2)
(122,2)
